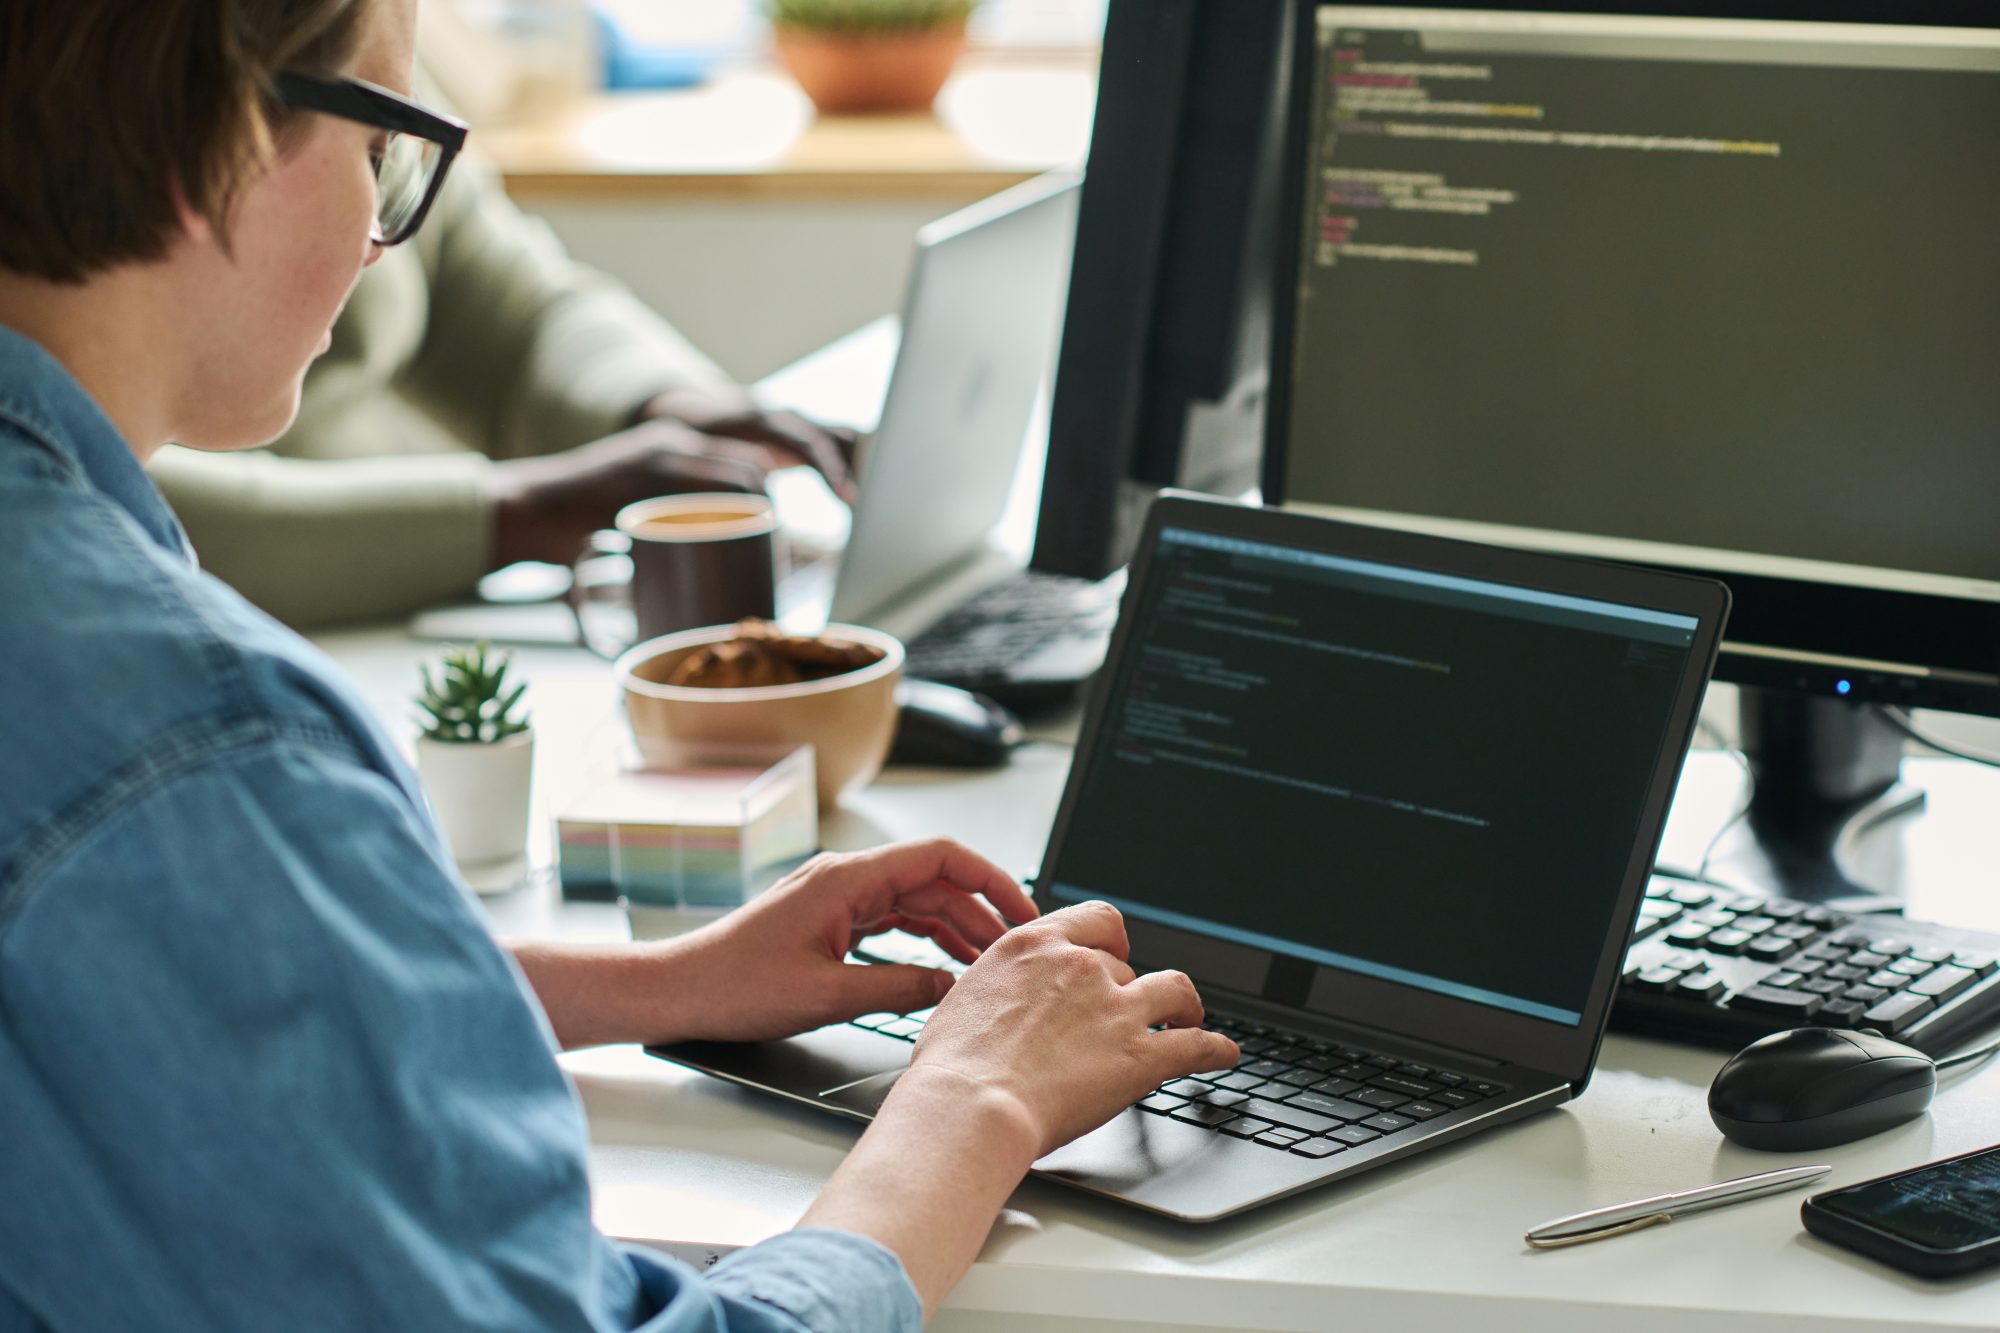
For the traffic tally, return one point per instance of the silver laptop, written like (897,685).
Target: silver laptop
(1391,800)
(981,320)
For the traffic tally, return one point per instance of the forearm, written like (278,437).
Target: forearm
(930,1175)
(606,994)
(317,541)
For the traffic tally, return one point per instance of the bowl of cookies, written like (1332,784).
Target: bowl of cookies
(751,688)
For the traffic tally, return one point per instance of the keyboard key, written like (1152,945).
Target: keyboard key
(1866,994)
(906,1028)
(1455,1097)
(1842,972)
(1784,980)
(1755,925)
(1449,1079)
(1781,909)
(1239,1081)
(1487,1089)
(1686,933)
(1931,953)
(1727,940)
(1354,1135)
(1381,1062)
(1160,1103)
(1691,895)
(1223,1097)
(1246,1127)
(1415,1087)
(1982,963)
(1944,983)
(1654,978)
(1701,986)
(1264,1068)
(1334,1087)
(1185,1087)
(1381,1098)
(1318,1148)
(1422,1110)
(1867,960)
(1325,1064)
(1764,999)
(1888,980)
(1388,1123)
(1823,917)
(1804,966)
(1888,948)
(1337,1107)
(1898,1012)
(1793,930)
(1300,1078)
(1770,948)
(1199,1113)
(1283,1135)
(1823,986)
(1839,1012)
(1910,967)
(873,1021)
(1279,1113)
(1414,1071)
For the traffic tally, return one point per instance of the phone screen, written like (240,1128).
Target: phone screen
(1945,1206)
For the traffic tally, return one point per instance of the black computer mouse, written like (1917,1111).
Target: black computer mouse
(944,726)
(1816,1087)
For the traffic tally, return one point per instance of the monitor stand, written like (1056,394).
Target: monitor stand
(1826,772)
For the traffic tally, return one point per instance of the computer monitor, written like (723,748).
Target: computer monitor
(1712,293)
(1165,353)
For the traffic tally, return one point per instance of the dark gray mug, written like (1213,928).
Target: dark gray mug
(695,560)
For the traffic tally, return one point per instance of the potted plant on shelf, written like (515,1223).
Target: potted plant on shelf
(870,55)
(476,758)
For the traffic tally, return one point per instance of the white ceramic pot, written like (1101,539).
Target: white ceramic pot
(480,795)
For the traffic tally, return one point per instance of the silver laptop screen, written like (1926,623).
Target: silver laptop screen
(1418,777)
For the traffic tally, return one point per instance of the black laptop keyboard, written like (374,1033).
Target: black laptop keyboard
(1291,1092)
(985,643)
(1721,968)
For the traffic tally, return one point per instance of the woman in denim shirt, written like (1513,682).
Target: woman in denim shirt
(261,1066)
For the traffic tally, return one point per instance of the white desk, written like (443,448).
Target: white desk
(1434,1243)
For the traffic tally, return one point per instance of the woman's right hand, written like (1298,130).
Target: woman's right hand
(1053,1020)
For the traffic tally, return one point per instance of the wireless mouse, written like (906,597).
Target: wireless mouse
(1814,1088)
(943,726)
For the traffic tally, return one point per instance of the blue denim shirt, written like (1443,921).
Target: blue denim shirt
(261,1065)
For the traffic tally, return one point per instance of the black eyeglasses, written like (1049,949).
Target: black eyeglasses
(409,167)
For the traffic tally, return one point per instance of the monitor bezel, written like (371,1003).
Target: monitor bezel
(1818,637)
(1566,1052)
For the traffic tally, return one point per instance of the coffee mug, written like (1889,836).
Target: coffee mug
(678,562)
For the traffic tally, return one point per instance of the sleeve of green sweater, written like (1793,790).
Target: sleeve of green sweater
(488,327)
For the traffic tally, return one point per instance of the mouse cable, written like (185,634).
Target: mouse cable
(1900,720)
(1967,1057)
(1749,794)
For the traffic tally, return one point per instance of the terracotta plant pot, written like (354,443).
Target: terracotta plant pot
(889,71)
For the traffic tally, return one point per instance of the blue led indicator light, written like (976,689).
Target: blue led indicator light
(1842,687)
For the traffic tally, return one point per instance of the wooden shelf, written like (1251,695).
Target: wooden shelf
(750,133)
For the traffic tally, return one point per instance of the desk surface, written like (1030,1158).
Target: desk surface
(1435,1242)
(751,133)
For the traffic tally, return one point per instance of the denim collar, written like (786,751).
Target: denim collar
(43,400)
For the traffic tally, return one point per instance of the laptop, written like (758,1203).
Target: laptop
(982,318)
(1391,800)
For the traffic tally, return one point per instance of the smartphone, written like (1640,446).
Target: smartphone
(1936,1220)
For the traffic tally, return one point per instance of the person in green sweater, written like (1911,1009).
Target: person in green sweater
(486,400)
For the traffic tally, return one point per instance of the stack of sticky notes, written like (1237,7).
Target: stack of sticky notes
(704,838)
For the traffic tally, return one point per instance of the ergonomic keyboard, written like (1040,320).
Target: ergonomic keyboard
(1292,1092)
(1030,639)
(1717,967)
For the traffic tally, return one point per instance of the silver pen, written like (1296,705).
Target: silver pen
(1599,1223)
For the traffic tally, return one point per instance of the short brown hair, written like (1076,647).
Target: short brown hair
(117,109)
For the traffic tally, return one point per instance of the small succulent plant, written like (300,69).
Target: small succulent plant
(471,704)
(868,15)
